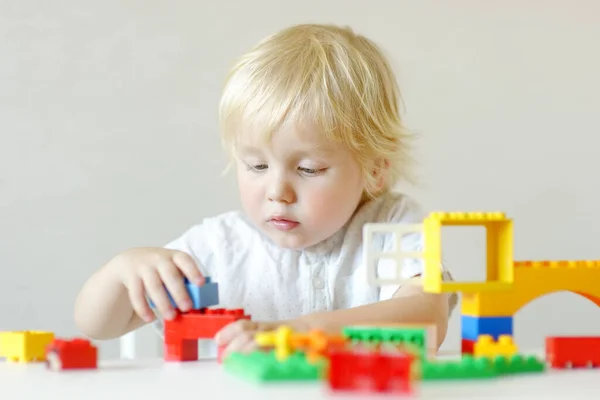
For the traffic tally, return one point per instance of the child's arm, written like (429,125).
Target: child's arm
(410,304)
(113,301)
(102,308)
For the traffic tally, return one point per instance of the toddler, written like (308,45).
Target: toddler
(310,119)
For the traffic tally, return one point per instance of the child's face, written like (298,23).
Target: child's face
(298,189)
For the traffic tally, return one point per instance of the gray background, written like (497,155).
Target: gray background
(109,134)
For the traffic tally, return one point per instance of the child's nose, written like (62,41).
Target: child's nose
(281,191)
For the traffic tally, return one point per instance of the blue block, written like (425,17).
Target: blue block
(472,327)
(203,296)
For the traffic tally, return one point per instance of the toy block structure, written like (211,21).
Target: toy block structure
(25,346)
(70,354)
(286,361)
(363,358)
(573,351)
(182,333)
(487,307)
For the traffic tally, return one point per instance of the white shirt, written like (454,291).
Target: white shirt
(272,283)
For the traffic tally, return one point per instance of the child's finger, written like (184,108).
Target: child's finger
(240,342)
(250,346)
(233,330)
(173,281)
(138,300)
(156,291)
(188,267)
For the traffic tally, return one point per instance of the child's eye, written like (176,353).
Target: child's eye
(257,167)
(310,171)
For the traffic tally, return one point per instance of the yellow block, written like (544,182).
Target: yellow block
(487,347)
(279,339)
(499,239)
(534,279)
(25,346)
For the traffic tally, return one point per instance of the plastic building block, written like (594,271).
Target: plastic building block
(573,351)
(285,342)
(25,346)
(473,327)
(203,296)
(181,350)
(467,346)
(317,344)
(371,257)
(430,330)
(486,346)
(71,354)
(467,367)
(280,339)
(499,238)
(534,279)
(361,369)
(517,364)
(202,324)
(263,366)
(181,334)
(412,337)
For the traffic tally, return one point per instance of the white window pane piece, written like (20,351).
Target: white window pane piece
(385,267)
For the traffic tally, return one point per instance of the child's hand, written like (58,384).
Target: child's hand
(239,336)
(147,271)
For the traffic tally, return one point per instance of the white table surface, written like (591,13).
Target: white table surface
(155,379)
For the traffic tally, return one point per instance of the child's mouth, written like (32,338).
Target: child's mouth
(283,224)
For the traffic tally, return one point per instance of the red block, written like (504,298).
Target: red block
(183,332)
(181,350)
(370,370)
(71,354)
(467,346)
(573,351)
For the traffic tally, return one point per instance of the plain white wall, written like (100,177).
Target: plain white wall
(109,136)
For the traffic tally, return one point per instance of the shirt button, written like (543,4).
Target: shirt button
(318,283)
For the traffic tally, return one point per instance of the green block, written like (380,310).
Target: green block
(517,364)
(262,366)
(415,338)
(465,368)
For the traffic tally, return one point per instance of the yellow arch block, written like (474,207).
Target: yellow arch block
(280,339)
(25,346)
(499,240)
(534,279)
(487,347)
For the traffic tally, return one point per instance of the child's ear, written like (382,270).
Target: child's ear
(379,171)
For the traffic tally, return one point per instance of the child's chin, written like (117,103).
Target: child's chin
(291,242)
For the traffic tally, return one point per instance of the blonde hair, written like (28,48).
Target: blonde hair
(329,76)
